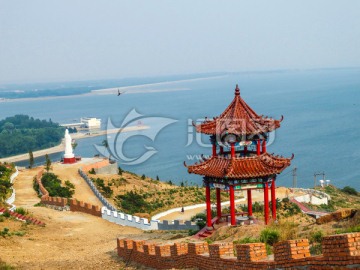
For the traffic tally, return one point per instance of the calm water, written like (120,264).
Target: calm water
(321,111)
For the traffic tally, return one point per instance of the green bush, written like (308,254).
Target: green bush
(132,202)
(247,240)
(285,200)
(21,211)
(53,185)
(316,237)
(4,232)
(269,236)
(316,249)
(349,190)
(92,171)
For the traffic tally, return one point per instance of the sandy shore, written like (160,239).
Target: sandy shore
(133,89)
(76,136)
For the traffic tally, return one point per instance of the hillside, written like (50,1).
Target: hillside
(145,196)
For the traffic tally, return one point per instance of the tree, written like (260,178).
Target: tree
(47,163)
(105,143)
(31,159)
(74,144)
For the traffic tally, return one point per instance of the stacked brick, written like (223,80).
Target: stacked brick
(339,252)
(251,252)
(56,201)
(292,249)
(341,246)
(221,250)
(79,206)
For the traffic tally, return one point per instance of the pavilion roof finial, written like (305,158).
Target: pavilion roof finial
(237,90)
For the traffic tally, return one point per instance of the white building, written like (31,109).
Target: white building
(90,122)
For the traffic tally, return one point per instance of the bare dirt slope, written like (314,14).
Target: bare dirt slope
(70,240)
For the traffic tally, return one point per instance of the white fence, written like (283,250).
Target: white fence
(11,199)
(143,223)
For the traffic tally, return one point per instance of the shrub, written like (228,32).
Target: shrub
(269,236)
(132,202)
(120,171)
(143,177)
(53,185)
(247,240)
(69,184)
(21,211)
(316,249)
(349,190)
(316,237)
(92,171)
(4,232)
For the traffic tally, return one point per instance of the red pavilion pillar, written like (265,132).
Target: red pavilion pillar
(208,206)
(273,199)
(232,206)
(266,202)
(245,150)
(218,203)
(250,212)
(258,146)
(221,150)
(232,150)
(214,150)
(264,146)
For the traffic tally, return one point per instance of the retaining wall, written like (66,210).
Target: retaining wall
(339,252)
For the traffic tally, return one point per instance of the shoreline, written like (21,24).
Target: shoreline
(60,147)
(140,89)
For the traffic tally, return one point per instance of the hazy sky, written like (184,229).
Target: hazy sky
(84,39)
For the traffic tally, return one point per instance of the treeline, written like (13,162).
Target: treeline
(20,133)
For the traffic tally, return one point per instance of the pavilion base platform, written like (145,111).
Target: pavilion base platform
(224,221)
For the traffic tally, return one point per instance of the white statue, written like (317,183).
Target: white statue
(68,147)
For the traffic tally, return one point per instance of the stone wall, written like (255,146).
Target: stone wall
(339,252)
(95,190)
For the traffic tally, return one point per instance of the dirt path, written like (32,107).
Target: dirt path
(25,194)
(70,240)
